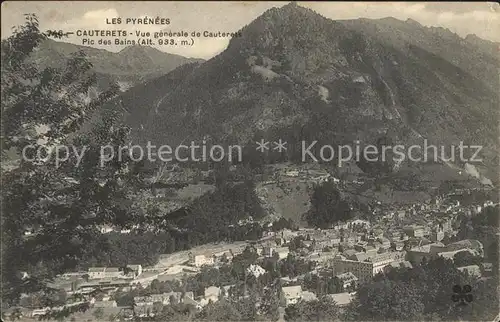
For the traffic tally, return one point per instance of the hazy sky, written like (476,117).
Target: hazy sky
(464,18)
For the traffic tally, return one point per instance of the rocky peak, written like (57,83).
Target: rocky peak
(293,27)
(413,23)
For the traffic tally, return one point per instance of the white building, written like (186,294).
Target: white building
(104,304)
(267,251)
(366,269)
(360,222)
(164,298)
(308,296)
(256,270)
(283,252)
(414,231)
(472,270)
(292,294)
(200,260)
(212,293)
(342,299)
(104,272)
(292,173)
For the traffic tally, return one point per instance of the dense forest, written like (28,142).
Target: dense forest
(327,206)
(64,205)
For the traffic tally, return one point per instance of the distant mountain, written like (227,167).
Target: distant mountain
(298,75)
(139,104)
(478,57)
(129,67)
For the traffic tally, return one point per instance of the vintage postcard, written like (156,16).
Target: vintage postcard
(250,161)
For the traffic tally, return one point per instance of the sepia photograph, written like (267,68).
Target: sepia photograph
(250,161)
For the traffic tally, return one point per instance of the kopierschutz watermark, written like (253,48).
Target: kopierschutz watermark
(398,153)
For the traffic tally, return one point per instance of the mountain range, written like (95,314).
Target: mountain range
(298,74)
(131,66)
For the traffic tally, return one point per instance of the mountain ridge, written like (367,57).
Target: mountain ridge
(130,66)
(295,71)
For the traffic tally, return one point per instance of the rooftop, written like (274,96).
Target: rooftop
(341,298)
(292,291)
(471,269)
(347,276)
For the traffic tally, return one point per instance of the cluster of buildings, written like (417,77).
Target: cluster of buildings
(355,251)
(352,253)
(148,306)
(129,271)
(364,266)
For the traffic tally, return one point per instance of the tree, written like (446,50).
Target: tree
(324,309)
(247,257)
(219,311)
(63,203)
(327,249)
(282,223)
(60,297)
(327,206)
(296,243)
(423,293)
(405,301)
(292,266)
(465,258)
(247,309)
(178,312)
(486,300)
(158,307)
(16,314)
(98,313)
(270,301)
(173,300)
(484,227)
